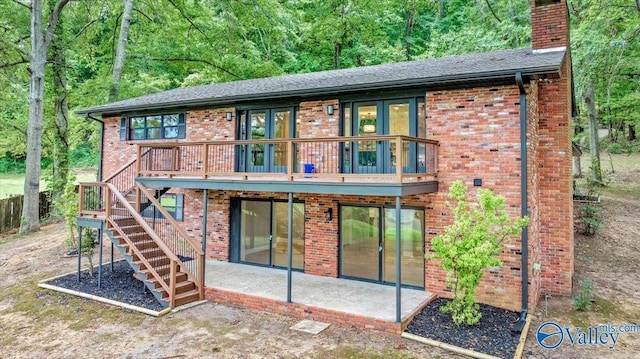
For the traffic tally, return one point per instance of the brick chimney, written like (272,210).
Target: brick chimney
(549,24)
(550,30)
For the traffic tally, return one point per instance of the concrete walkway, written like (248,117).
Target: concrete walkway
(343,295)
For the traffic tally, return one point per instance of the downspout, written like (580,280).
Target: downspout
(524,211)
(99,174)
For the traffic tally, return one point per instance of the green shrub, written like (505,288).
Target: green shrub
(470,245)
(583,300)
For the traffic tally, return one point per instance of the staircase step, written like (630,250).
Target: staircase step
(141,245)
(127,221)
(149,253)
(156,262)
(180,277)
(185,286)
(187,297)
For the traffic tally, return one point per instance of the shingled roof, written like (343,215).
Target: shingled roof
(447,70)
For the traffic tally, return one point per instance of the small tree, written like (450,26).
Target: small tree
(471,244)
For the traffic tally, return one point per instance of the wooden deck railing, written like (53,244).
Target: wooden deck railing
(105,200)
(335,159)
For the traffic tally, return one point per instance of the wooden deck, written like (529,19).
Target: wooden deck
(363,160)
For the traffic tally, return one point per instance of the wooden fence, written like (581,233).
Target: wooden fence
(11,211)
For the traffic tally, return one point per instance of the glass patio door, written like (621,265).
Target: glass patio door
(368,245)
(390,117)
(367,154)
(264,233)
(267,125)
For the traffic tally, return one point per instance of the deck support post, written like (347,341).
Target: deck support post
(398,258)
(289,246)
(205,211)
(79,251)
(111,257)
(100,256)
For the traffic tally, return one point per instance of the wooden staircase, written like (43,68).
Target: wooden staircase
(163,255)
(144,255)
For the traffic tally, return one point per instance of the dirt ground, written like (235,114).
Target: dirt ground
(610,260)
(37,323)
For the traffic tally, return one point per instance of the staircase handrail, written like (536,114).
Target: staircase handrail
(125,167)
(170,288)
(183,233)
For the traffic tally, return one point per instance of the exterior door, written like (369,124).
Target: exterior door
(391,117)
(268,124)
(398,115)
(367,122)
(368,245)
(263,233)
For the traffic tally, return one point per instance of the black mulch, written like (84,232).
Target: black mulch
(119,285)
(492,335)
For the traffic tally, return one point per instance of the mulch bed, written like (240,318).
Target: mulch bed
(492,335)
(119,285)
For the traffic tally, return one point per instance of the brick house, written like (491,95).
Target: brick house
(302,172)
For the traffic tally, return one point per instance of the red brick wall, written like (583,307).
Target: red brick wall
(556,201)
(550,28)
(479,134)
(202,125)
(549,24)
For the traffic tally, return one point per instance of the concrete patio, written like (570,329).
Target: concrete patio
(342,301)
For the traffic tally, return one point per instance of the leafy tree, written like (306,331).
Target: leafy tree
(41,39)
(470,245)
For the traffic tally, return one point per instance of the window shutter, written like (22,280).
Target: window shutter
(123,129)
(179,207)
(182,126)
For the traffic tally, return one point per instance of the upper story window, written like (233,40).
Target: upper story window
(153,127)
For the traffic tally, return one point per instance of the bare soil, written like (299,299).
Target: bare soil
(610,260)
(37,323)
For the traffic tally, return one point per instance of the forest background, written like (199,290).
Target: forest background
(98,51)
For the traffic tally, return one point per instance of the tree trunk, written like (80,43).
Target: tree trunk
(594,145)
(61,128)
(40,43)
(409,24)
(443,9)
(577,167)
(632,130)
(118,64)
(30,208)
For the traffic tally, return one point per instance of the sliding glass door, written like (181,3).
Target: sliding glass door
(263,233)
(368,244)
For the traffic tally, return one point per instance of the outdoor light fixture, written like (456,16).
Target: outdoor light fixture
(369,128)
(329,109)
(229,116)
(329,214)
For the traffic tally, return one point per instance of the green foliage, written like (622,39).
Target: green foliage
(623,147)
(67,205)
(590,216)
(584,299)
(589,212)
(470,245)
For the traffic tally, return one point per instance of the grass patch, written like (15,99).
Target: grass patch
(12,184)
(48,306)
(622,190)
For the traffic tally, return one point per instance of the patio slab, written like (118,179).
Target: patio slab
(336,294)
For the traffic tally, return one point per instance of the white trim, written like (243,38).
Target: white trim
(551,49)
